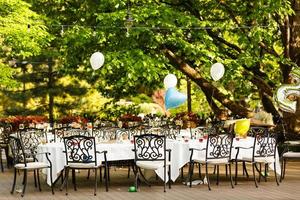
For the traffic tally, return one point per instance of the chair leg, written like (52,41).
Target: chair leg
(34,175)
(226,170)
(218,175)
(285,162)
(74,179)
(1,162)
(38,179)
(14,183)
(51,180)
(142,176)
(128,172)
(181,171)
(191,169)
(62,176)
(253,169)
(67,179)
(106,177)
(199,165)
(245,169)
(25,183)
(63,179)
(136,179)
(266,171)
(108,174)
(206,172)
(8,161)
(259,177)
(89,173)
(165,175)
(282,169)
(276,174)
(100,168)
(169,176)
(95,190)
(230,176)
(236,172)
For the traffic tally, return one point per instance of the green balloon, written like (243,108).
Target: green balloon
(132,189)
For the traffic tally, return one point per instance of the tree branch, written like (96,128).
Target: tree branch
(205,85)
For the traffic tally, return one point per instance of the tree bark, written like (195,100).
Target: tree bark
(50,93)
(292,51)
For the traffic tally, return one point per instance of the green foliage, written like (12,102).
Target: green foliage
(113,110)
(24,41)
(134,59)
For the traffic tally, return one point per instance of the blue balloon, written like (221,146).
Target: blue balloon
(173,98)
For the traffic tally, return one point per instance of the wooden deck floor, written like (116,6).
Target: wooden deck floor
(288,189)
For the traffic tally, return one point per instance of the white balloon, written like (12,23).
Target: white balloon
(217,71)
(97,60)
(170,81)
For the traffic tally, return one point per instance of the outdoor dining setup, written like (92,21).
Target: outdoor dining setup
(165,148)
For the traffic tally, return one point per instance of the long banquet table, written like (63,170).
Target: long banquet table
(180,154)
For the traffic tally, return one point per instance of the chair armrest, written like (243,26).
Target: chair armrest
(243,147)
(192,149)
(134,150)
(40,153)
(104,155)
(292,143)
(101,152)
(238,150)
(34,154)
(192,152)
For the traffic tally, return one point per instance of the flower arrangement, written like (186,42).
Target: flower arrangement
(73,119)
(130,118)
(188,119)
(15,121)
(125,119)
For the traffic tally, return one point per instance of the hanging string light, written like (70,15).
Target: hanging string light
(62,30)
(28,28)
(129,20)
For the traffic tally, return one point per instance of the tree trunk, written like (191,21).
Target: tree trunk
(50,89)
(189,96)
(292,51)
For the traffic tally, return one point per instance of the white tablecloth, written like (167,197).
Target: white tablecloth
(116,151)
(242,142)
(180,154)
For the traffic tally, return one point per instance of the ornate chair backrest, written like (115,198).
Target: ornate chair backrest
(58,134)
(76,131)
(157,131)
(199,132)
(254,130)
(80,149)
(5,131)
(127,133)
(217,128)
(218,146)
(98,132)
(173,132)
(149,147)
(265,144)
(17,150)
(31,138)
(104,133)
(106,124)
